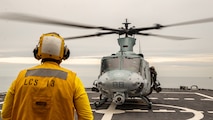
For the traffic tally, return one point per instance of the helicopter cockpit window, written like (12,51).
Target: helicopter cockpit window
(126,63)
(132,64)
(110,64)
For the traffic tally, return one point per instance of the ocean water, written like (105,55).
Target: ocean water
(89,73)
(176,82)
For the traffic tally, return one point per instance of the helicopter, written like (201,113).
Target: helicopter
(126,74)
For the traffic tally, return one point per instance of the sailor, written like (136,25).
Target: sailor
(47,91)
(153,73)
(156,83)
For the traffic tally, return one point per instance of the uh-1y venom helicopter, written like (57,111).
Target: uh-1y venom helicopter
(125,74)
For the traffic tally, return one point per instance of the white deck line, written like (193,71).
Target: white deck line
(171,98)
(210,111)
(204,95)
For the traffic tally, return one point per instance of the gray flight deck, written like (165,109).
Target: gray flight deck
(170,104)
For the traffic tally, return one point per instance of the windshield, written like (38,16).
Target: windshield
(126,63)
(132,64)
(110,64)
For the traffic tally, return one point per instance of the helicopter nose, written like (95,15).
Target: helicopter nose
(120,80)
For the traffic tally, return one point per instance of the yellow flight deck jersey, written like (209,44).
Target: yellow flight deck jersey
(46,92)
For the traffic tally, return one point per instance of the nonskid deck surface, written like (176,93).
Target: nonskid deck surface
(170,104)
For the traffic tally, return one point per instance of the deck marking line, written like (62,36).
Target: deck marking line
(189,98)
(163,110)
(206,99)
(179,92)
(108,113)
(210,111)
(1,103)
(204,95)
(197,114)
(171,98)
(137,110)
(95,98)
(183,111)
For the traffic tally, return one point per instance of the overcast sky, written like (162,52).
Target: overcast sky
(170,57)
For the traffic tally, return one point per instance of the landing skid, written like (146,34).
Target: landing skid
(101,101)
(147,100)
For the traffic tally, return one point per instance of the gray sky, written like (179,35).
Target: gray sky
(171,58)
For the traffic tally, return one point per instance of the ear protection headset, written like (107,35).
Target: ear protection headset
(66,53)
(51,45)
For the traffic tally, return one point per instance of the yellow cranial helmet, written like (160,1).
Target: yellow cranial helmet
(51,46)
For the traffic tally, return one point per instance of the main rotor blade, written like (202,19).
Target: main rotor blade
(36,19)
(166,36)
(92,35)
(206,20)
(159,26)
